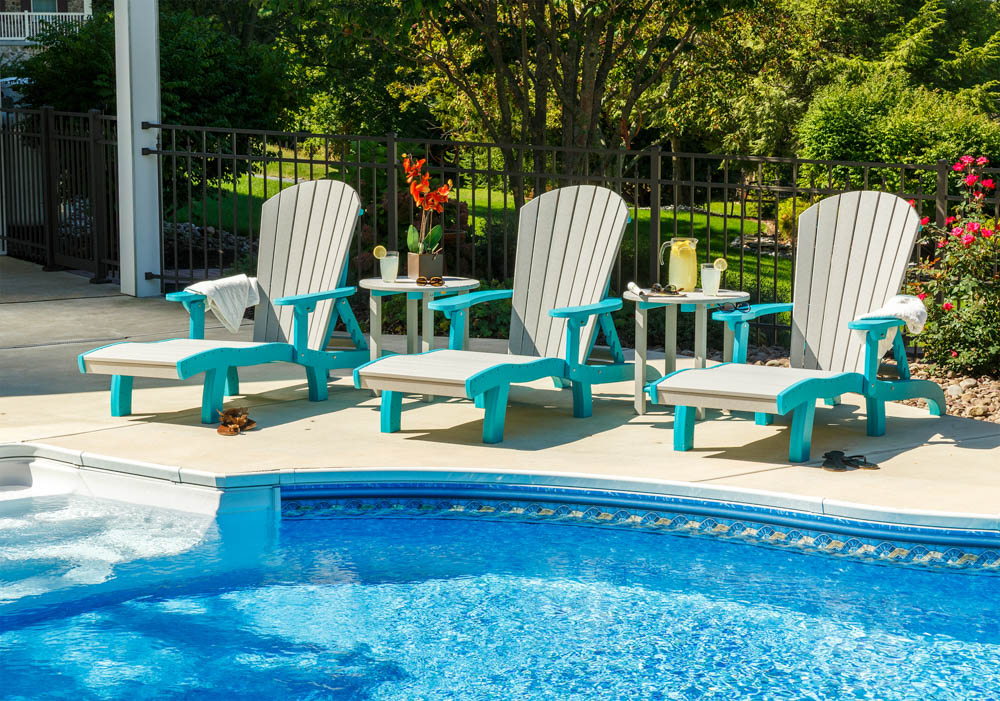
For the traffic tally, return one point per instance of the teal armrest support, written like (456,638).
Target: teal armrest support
(459,302)
(755,312)
(605,306)
(194,303)
(302,306)
(314,297)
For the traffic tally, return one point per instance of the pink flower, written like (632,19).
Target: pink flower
(954,354)
(971,179)
(924,221)
(967,160)
(968,239)
(922,296)
(957,231)
(987,183)
(958,167)
(913,203)
(973,226)
(949,221)
(978,194)
(987,233)
(947,306)
(942,243)
(982,161)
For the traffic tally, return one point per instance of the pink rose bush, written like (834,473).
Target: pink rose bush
(958,277)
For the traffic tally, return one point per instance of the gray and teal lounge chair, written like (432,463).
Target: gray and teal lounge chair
(305,237)
(566,245)
(851,258)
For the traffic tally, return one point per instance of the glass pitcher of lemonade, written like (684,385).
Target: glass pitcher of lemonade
(683,270)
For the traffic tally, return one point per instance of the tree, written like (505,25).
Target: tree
(207,77)
(589,61)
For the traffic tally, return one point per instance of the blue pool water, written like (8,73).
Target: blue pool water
(165,606)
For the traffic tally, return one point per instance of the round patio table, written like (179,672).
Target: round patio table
(695,301)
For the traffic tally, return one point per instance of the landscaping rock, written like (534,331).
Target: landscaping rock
(773,363)
(979,410)
(953,391)
(967,383)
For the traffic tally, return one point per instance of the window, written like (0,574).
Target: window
(44,5)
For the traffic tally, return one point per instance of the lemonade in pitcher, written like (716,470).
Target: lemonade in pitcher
(683,270)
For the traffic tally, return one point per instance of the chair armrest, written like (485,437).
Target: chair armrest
(605,306)
(311,298)
(877,326)
(194,303)
(454,304)
(755,312)
(184,296)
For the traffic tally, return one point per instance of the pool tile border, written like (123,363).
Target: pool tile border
(762,526)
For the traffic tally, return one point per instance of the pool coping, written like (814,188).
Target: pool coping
(981,530)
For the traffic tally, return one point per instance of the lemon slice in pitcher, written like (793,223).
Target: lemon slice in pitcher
(720,264)
(379,252)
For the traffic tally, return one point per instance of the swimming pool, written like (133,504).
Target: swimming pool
(403,608)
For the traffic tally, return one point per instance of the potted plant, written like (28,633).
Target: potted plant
(425,257)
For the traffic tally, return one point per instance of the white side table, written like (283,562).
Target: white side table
(414,293)
(695,301)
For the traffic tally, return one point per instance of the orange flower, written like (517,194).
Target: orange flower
(412,170)
(418,188)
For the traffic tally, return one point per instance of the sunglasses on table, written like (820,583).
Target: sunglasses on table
(432,281)
(734,307)
(658,289)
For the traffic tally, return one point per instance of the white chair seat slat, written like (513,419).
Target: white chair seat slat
(444,366)
(755,382)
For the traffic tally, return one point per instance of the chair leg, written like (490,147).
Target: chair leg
(684,417)
(121,395)
(800,440)
(480,401)
(212,395)
(496,413)
(762,418)
(832,401)
(317,384)
(583,401)
(391,411)
(560,383)
(876,416)
(232,382)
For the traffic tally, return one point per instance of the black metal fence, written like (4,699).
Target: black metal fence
(59,189)
(59,202)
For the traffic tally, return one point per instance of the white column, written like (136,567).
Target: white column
(137,66)
(88,8)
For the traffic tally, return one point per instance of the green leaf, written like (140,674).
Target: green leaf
(433,237)
(413,239)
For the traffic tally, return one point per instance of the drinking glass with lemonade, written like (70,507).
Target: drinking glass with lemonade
(388,263)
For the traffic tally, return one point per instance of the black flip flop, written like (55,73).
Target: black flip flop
(835,461)
(860,462)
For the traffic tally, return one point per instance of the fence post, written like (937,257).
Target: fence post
(98,197)
(656,159)
(941,194)
(50,187)
(393,189)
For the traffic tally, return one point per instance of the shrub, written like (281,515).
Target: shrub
(957,279)
(788,216)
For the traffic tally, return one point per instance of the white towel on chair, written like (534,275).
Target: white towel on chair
(228,298)
(905,308)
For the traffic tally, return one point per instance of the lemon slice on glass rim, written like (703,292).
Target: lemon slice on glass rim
(379,252)
(720,264)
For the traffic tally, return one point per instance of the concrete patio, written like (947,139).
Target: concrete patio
(47,319)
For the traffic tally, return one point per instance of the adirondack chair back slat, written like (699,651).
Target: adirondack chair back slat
(567,240)
(851,258)
(305,235)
